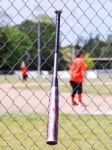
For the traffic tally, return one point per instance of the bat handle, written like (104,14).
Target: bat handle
(58,14)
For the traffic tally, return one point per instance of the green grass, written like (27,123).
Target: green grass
(88,89)
(100,86)
(98,89)
(28,132)
(4,79)
(93,88)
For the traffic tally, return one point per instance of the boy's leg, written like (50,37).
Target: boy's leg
(73,85)
(80,98)
(73,100)
(26,77)
(80,92)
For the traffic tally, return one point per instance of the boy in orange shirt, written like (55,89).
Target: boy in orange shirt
(24,71)
(77,69)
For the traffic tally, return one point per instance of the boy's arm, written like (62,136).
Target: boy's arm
(83,66)
(72,66)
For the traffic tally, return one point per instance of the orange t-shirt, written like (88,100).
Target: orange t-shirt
(24,70)
(77,69)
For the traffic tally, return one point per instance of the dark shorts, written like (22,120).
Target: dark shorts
(25,77)
(76,87)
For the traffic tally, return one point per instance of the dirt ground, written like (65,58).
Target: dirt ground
(31,101)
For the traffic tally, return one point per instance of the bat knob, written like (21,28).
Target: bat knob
(51,142)
(58,11)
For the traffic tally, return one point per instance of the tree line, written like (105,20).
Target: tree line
(20,43)
(98,48)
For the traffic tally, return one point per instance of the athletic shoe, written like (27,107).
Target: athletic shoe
(74,103)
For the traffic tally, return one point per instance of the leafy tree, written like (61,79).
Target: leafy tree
(4,51)
(94,45)
(47,39)
(43,19)
(98,48)
(107,49)
(89,61)
(16,44)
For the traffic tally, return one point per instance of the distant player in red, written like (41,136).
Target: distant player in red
(77,69)
(24,71)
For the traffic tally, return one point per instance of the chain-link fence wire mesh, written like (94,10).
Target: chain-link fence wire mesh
(27,34)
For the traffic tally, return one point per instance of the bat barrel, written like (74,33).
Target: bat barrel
(53,110)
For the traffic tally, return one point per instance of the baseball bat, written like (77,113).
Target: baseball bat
(53,109)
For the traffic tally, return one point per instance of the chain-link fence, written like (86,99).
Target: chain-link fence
(27,39)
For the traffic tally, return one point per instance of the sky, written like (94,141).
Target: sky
(79,18)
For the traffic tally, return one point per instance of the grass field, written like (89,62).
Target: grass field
(100,86)
(28,132)
(19,131)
